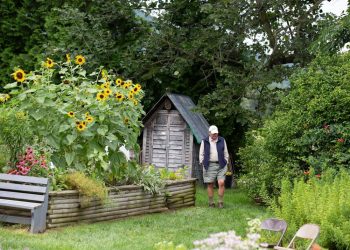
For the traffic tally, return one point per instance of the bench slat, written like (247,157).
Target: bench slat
(19,204)
(15,219)
(22,196)
(27,179)
(21,187)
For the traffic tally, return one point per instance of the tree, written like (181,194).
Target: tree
(310,128)
(234,57)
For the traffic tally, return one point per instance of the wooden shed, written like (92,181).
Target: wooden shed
(172,134)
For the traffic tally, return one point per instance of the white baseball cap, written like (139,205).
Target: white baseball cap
(213,129)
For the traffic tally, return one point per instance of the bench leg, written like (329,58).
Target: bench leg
(38,221)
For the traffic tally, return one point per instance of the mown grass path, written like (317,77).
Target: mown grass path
(142,232)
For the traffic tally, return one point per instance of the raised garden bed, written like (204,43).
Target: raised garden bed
(66,207)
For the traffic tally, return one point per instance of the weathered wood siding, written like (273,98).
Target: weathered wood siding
(167,141)
(66,208)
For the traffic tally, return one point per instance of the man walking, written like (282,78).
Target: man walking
(213,156)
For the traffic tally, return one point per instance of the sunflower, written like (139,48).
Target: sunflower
(49,63)
(19,75)
(127,84)
(119,96)
(89,119)
(138,86)
(118,81)
(136,102)
(107,91)
(135,89)
(79,59)
(126,120)
(87,114)
(68,58)
(131,96)
(70,114)
(101,96)
(81,127)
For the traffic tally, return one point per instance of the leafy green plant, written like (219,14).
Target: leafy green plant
(178,174)
(309,129)
(323,200)
(15,132)
(145,176)
(83,117)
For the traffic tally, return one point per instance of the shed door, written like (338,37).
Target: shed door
(169,136)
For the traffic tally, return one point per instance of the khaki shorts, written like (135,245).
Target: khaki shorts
(214,173)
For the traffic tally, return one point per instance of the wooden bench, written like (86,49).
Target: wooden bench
(24,193)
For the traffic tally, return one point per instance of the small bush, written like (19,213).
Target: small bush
(323,200)
(89,188)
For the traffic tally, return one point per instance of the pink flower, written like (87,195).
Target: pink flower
(341,140)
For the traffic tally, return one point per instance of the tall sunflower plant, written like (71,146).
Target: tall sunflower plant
(83,117)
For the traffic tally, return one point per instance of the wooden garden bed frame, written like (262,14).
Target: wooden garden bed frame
(66,208)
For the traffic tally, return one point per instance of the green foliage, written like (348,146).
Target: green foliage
(79,114)
(310,128)
(179,174)
(233,58)
(89,188)
(324,201)
(147,177)
(15,133)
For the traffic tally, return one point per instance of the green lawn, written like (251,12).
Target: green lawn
(142,232)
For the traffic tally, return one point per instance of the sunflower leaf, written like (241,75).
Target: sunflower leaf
(10,85)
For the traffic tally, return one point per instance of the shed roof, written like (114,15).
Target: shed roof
(184,104)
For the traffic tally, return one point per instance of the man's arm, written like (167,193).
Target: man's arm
(226,155)
(201,153)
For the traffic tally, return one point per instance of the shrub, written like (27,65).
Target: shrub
(321,200)
(15,133)
(309,129)
(79,114)
(88,187)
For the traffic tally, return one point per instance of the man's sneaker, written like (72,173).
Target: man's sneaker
(220,205)
(211,204)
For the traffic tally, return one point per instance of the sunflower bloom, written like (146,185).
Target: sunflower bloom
(87,114)
(101,96)
(49,63)
(81,127)
(126,120)
(71,114)
(105,85)
(68,58)
(131,96)
(79,59)
(19,75)
(119,96)
(118,81)
(136,102)
(107,91)
(89,119)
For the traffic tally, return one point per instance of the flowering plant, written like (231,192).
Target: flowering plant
(229,240)
(31,163)
(79,115)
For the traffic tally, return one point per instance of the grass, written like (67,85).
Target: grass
(142,232)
